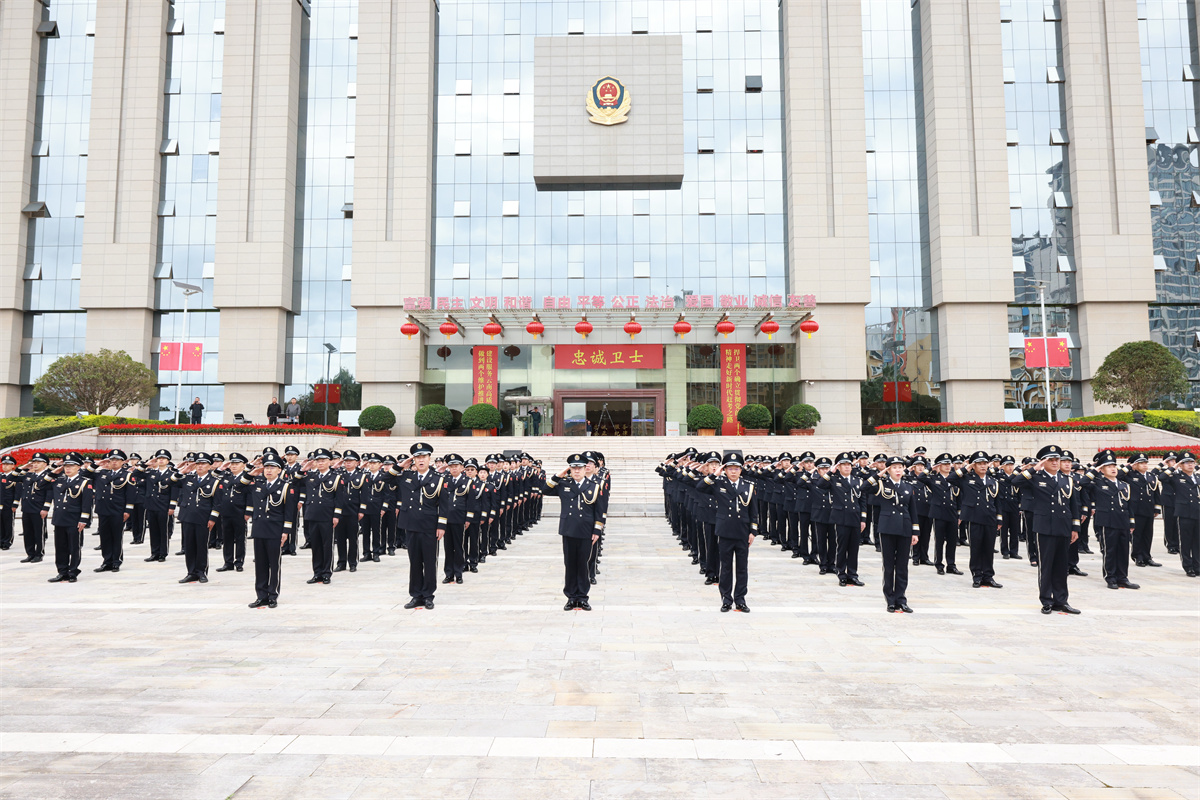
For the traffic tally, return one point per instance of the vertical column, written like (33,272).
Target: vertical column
(828,240)
(1114,247)
(966,184)
(19,48)
(120,231)
(393,191)
(256,197)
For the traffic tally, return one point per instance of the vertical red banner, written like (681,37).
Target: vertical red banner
(487,375)
(193,357)
(168,356)
(733,386)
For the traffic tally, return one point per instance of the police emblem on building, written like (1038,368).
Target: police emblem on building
(608,102)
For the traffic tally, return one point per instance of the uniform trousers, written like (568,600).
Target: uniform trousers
(791,540)
(1052,568)
(848,541)
(945,540)
(920,553)
(1189,544)
(137,523)
(422,565)
(6,527)
(734,574)
(1010,530)
(1031,540)
(453,542)
(233,539)
(156,522)
(983,550)
(594,557)
(68,547)
(33,531)
(712,555)
(370,525)
(195,548)
(826,541)
(320,543)
(110,528)
(803,534)
(1116,553)
(388,532)
(576,581)
(894,550)
(268,562)
(346,534)
(1143,536)
(1170,528)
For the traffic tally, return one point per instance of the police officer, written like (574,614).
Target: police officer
(346,534)
(318,487)
(1186,485)
(233,506)
(897,530)
(979,510)
(736,527)
(34,507)
(292,468)
(1055,524)
(137,494)
(159,488)
(111,489)
(594,469)
(372,503)
(71,513)
(1109,499)
(1143,501)
(197,513)
(426,525)
(273,503)
(1009,506)
(944,513)
(848,514)
(579,525)
(457,486)
(10,488)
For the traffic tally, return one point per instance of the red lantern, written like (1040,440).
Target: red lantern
(633,328)
(492,329)
(809,326)
(683,327)
(535,327)
(583,327)
(769,327)
(410,329)
(726,327)
(448,328)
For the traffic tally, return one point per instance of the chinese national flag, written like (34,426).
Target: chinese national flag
(1036,352)
(327,393)
(335,392)
(318,393)
(168,356)
(193,357)
(890,391)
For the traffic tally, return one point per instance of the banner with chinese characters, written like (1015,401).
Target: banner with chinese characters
(608,356)
(733,386)
(487,376)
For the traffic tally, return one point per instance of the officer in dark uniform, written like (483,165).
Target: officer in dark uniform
(70,509)
(233,505)
(848,514)
(897,530)
(319,487)
(426,525)
(1185,485)
(980,511)
(10,488)
(943,511)
(1009,504)
(1055,524)
(373,501)
(456,488)
(1166,500)
(821,503)
(918,466)
(291,471)
(1109,500)
(136,524)
(158,488)
(1143,502)
(111,488)
(594,470)
(273,502)
(474,505)
(197,512)
(802,483)
(346,533)
(736,527)
(579,525)
(402,504)
(35,507)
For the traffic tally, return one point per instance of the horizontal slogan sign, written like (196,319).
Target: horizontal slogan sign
(608,356)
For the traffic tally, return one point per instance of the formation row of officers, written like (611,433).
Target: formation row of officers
(823,510)
(470,510)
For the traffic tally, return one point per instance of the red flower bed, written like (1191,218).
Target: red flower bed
(223,430)
(999,427)
(1149,452)
(23,455)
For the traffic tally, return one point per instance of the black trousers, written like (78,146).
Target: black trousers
(137,523)
(371,526)
(920,553)
(894,550)
(734,574)
(156,522)
(712,553)
(791,538)
(33,531)
(391,535)
(320,543)
(68,547)
(1116,553)
(1170,529)
(1189,544)
(576,578)
(195,548)
(422,565)
(1010,530)
(111,530)
(983,550)
(268,561)
(6,527)
(1053,563)
(346,534)
(945,539)
(471,543)
(233,539)
(288,548)
(803,534)
(453,543)
(848,541)
(594,557)
(826,545)
(1143,536)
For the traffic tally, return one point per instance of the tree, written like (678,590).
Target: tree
(96,382)
(1138,373)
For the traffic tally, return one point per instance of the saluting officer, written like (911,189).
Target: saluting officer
(579,525)
(34,507)
(1055,524)
(291,471)
(197,514)
(1186,485)
(273,504)
(736,527)
(426,525)
(233,506)
(113,505)
(319,488)
(136,524)
(456,487)
(980,512)
(897,530)
(1109,499)
(346,534)
(1143,501)
(943,511)
(71,512)
(158,490)
(10,487)
(848,514)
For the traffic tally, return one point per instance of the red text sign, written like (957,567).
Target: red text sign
(608,356)
(487,376)
(733,386)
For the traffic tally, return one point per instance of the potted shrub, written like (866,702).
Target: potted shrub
(482,419)
(705,419)
(755,418)
(433,419)
(376,421)
(801,419)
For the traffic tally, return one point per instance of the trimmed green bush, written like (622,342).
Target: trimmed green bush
(755,416)
(704,416)
(482,417)
(801,415)
(433,417)
(20,430)
(1185,422)
(376,418)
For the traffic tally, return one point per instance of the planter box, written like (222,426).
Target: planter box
(706,431)
(802,431)
(377,433)
(432,433)
(481,431)
(758,431)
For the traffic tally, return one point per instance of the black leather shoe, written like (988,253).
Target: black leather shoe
(354,568)
(904,607)
(226,568)
(473,568)
(101,569)
(742,607)
(181,553)
(313,580)
(1077,571)
(202,578)
(710,581)
(375,559)
(341,568)
(429,605)
(151,558)
(584,605)
(272,603)
(992,584)
(35,560)
(1066,609)
(1048,609)
(305,546)
(726,607)
(796,554)
(976,584)
(953,570)
(1173,551)
(593,580)
(188,579)
(258,604)
(891,609)
(61,578)
(458,579)
(115,569)
(1113,585)
(27,559)
(1033,563)
(414,603)
(1191,573)
(1005,556)
(1128,585)
(238,567)
(842,581)
(447,579)
(1153,563)
(391,552)
(916,562)
(162,559)
(1087,550)
(823,570)
(941,570)
(325,581)
(855,582)
(569,606)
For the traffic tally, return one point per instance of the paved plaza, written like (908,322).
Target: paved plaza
(131,685)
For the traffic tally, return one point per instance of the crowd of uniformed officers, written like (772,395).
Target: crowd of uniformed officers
(468,510)
(823,510)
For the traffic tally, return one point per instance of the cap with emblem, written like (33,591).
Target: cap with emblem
(162,453)
(1049,451)
(1026,461)
(420,449)
(272,460)
(896,460)
(845,458)
(372,458)
(590,455)
(471,462)
(189,456)
(1185,457)
(135,457)
(1106,458)
(8,460)
(115,453)
(237,458)
(599,455)
(321,452)
(920,451)
(389,459)
(1007,460)
(217,458)
(1169,457)
(980,456)
(350,455)
(959,458)
(291,450)
(784,457)
(944,458)
(922,460)
(712,457)
(576,460)
(1138,458)
(334,454)
(203,458)
(1068,455)
(73,458)
(453,458)
(491,459)
(732,460)
(824,462)
(879,458)
(40,457)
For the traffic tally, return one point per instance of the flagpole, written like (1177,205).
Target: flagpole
(188,291)
(1045,349)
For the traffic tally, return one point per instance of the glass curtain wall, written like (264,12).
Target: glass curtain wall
(54,325)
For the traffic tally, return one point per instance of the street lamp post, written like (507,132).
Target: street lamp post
(328,356)
(188,290)
(1041,287)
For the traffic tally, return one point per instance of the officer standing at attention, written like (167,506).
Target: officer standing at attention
(291,471)
(944,513)
(71,512)
(197,514)
(111,489)
(158,489)
(897,529)
(1055,524)
(10,487)
(1109,499)
(736,527)
(1185,484)
(426,525)
(34,508)
(456,487)
(849,516)
(1143,501)
(273,504)
(579,524)
(319,489)
(233,505)
(346,534)
(981,513)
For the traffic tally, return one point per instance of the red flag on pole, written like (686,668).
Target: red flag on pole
(327,393)
(1036,352)
(318,393)
(903,388)
(335,392)
(193,357)
(168,356)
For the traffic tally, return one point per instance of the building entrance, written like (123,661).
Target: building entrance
(609,413)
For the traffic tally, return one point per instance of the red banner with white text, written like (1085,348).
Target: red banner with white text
(733,386)
(487,374)
(608,356)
